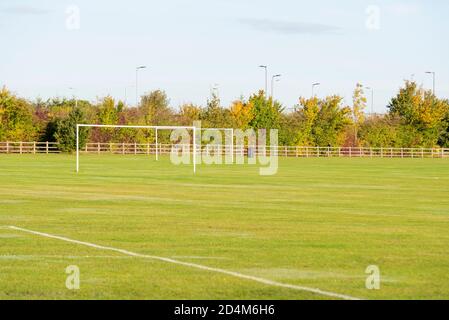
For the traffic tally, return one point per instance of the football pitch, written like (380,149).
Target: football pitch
(141,229)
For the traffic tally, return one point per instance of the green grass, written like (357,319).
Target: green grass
(317,223)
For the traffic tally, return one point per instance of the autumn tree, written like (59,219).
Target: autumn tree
(188,114)
(358,110)
(242,113)
(421,111)
(16,118)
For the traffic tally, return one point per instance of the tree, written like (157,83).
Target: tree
(266,112)
(308,112)
(154,108)
(188,114)
(107,114)
(214,115)
(290,125)
(16,118)
(65,133)
(380,131)
(242,113)
(443,140)
(421,112)
(358,110)
(323,121)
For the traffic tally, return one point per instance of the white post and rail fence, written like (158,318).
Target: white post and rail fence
(135,148)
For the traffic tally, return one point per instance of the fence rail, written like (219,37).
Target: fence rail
(29,147)
(165,149)
(299,152)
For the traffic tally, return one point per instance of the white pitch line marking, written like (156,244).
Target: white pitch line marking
(194,265)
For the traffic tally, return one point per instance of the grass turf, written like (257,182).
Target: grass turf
(317,223)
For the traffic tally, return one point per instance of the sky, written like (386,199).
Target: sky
(90,49)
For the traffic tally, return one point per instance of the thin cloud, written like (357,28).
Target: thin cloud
(24,10)
(290,28)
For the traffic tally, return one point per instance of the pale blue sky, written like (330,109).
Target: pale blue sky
(191,45)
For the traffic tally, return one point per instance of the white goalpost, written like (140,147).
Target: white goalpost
(194,129)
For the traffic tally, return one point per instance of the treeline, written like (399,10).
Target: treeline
(415,118)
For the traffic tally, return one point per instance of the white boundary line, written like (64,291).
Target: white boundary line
(193,265)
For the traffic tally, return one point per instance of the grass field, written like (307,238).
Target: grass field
(318,223)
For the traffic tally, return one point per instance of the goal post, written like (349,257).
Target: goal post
(78,126)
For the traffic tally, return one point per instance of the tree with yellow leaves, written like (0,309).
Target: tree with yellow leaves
(241,113)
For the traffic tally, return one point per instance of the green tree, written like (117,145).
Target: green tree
(380,131)
(266,112)
(214,115)
(323,121)
(66,131)
(154,108)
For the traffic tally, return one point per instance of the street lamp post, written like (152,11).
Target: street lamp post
(372,99)
(276,76)
(137,83)
(266,78)
(316,84)
(433,76)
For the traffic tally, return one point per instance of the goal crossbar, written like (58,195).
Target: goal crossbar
(78,126)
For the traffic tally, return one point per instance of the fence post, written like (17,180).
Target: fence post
(123,148)
(422,153)
(46,147)
(98,148)
(135,147)
(297,151)
(402,153)
(34,147)
(350,152)
(20,147)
